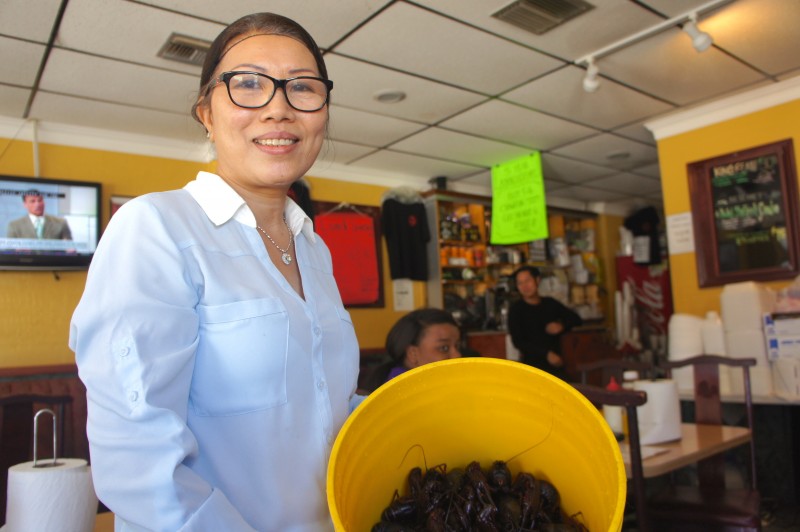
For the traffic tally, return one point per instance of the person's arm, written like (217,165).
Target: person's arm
(135,334)
(569,318)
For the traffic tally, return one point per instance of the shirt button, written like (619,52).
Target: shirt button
(321,385)
(317,331)
(133,396)
(125,351)
(330,440)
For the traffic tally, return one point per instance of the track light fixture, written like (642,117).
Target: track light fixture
(590,81)
(700,39)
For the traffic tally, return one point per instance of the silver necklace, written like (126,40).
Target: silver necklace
(286,257)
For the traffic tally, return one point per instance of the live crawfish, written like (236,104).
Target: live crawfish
(472,499)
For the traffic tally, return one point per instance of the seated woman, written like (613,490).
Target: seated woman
(422,336)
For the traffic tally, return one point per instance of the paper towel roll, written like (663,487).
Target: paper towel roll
(660,416)
(51,498)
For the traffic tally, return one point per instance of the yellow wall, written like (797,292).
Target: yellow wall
(674,153)
(36,307)
(607,248)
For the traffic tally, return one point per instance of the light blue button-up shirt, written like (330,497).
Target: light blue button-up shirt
(215,392)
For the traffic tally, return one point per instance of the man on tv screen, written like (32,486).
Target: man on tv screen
(37,224)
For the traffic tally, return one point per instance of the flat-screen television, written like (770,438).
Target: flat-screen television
(48,224)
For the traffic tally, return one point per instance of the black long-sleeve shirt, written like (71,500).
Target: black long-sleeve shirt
(527,323)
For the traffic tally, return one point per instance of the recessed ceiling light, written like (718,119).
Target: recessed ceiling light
(389,96)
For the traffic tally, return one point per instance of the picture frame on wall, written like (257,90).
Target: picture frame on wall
(745,217)
(117,202)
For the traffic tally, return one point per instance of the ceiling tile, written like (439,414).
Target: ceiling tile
(421,167)
(627,184)
(586,194)
(327,25)
(103,115)
(653,171)
(129,32)
(369,129)
(458,147)
(511,123)
(571,171)
(636,132)
(341,153)
(13,101)
(116,82)
(20,61)
(28,20)
(440,48)
(609,21)
(357,82)
(562,94)
(754,29)
(609,150)
(667,66)
(673,8)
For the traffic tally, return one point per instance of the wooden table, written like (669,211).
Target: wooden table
(697,442)
(104,522)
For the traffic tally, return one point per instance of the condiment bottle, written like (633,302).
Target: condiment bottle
(614,415)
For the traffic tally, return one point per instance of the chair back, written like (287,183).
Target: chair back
(708,404)
(613,367)
(628,399)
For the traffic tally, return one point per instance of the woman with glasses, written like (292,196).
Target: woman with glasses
(218,358)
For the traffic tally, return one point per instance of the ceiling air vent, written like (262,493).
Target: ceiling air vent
(185,49)
(540,16)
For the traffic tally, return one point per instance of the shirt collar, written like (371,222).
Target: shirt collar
(222,203)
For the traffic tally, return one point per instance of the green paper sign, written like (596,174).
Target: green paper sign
(519,213)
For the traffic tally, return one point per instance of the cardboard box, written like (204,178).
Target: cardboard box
(786,378)
(781,324)
(782,335)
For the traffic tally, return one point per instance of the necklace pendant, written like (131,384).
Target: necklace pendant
(286,258)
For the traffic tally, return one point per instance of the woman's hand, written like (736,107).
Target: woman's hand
(554,327)
(554,359)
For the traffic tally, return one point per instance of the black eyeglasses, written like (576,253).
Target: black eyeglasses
(253,90)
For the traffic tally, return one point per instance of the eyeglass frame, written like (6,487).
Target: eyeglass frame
(225,78)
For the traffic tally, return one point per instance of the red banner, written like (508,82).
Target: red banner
(652,292)
(351,239)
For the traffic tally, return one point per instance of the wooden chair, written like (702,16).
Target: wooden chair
(629,399)
(16,433)
(612,367)
(710,503)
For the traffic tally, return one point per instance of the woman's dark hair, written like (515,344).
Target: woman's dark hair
(255,24)
(408,330)
(533,270)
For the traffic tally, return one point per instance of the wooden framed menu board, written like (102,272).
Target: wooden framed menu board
(745,216)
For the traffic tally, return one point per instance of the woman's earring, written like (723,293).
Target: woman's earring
(208,135)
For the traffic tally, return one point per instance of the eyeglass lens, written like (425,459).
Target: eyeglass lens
(253,90)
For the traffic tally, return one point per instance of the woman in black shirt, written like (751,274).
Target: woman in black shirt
(536,323)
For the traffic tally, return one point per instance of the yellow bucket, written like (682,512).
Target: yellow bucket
(476,409)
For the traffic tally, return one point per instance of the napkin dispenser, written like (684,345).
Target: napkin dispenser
(660,416)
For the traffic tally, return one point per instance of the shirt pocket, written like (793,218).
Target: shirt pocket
(241,358)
